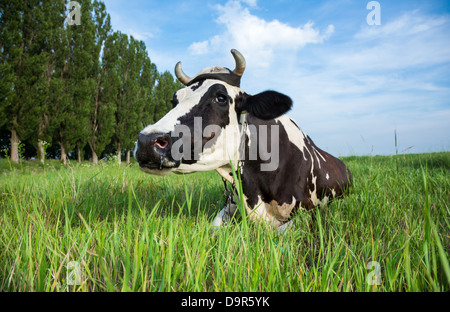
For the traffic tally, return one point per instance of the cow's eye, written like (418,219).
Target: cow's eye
(221,99)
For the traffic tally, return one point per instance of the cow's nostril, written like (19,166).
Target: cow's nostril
(161,143)
(153,146)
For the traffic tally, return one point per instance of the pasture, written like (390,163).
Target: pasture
(116,228)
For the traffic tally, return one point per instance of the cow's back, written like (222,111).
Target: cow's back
(305,174)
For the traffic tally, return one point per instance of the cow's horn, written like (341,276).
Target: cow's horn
(182,77)
(240,62)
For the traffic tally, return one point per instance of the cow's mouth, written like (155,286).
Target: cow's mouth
(163,164)
(161,143)
(153,166)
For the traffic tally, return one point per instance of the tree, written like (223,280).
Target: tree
(23,67)
(73,84)
(76,88)
(163,95)
(49,41)
(6,87)
(135,84)
(146,98)
(101,121)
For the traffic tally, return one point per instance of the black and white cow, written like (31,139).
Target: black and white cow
(213,122)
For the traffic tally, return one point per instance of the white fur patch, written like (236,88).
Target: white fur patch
(273,213)
(295,135)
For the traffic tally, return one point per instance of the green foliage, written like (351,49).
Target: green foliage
(71,84)
(147,100)
(129,84)
(101,119)
(29,42)
(130,231)
(164,90)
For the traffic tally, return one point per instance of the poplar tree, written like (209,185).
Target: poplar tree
(75,82)
(163,94)
(49,39)
(77,85)
(131,56)
(7,34)
(146,98)
(23,65)
(101,120)
(6,87)
(12,47)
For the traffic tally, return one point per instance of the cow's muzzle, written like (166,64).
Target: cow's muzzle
(153,151)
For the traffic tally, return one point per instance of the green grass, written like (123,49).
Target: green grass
(130,231)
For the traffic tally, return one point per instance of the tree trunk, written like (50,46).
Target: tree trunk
(128,157)
(119,154)
(40,151)
(94,157)
(14,146)
(78,153)
(63,155)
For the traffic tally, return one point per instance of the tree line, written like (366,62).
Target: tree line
(75,86)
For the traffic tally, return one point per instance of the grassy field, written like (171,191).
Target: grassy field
(111,228)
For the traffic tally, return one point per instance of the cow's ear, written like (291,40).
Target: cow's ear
(265,105)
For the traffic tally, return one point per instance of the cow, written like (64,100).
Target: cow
(215,125)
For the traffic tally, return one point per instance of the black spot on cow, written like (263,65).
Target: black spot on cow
(198,85)
(293,176)
(265,105)
(174,100)
(213,109)
(295,124)
(280,185)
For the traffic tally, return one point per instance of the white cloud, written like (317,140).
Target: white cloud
(257,38)
(139,35)
(199,48)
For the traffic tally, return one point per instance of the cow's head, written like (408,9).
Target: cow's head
(203,130)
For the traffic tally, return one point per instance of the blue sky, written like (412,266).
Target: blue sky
(353,84)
